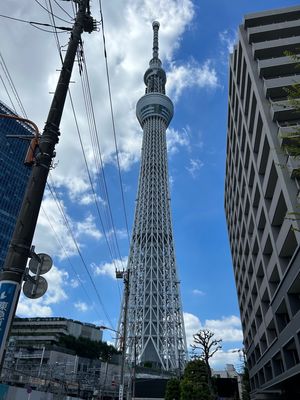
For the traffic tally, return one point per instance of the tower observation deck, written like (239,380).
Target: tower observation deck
(155,328)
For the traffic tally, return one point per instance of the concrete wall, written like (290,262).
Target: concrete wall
(15,393)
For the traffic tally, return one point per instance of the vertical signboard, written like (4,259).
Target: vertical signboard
(9,292)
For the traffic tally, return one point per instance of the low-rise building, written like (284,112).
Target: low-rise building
(41,331)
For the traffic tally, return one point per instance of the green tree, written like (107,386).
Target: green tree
(84,347)
(173,389)
(194,385)
(245,383)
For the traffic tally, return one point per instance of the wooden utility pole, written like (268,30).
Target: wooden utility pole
(11,278)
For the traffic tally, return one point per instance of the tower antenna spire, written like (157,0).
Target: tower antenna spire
(155,25)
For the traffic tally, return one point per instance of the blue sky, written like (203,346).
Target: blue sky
(195,40)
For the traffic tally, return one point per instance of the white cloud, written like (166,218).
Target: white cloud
(88,228)
(191,75)
(176,139)
(74,283)
(192,325)
(171,181)
(32,308)
(129,49)
(81,306)
(109,269)
(227,328)
(52,236)
(51,229)
(229,39)
(230,356)
(86,199)
(194,167)
(198,292)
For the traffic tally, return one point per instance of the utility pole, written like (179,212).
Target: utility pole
(125,276)
(11,278)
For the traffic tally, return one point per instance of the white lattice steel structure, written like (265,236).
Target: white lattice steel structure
(155,328)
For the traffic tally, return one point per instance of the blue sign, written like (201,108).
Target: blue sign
(8,298)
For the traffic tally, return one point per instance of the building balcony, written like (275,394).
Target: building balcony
(273,31)
(288,135)
(276,67)
(293,166)
(271,16)
(276,88)
(275,48)
(283,111)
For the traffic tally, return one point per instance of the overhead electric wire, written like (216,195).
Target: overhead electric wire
(69,261)
(60,208)
(51,16)
(53,192)
(61,7)
(54,195)
(8,95)
(98,153)
(12,85)
(85,160)
(33,23)
(113,121)
(44,8)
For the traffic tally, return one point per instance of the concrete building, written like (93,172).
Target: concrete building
(48,330)
(229,373)
(262,199)
(35,358)
(13,175)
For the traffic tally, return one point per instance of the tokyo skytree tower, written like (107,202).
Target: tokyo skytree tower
(155,328)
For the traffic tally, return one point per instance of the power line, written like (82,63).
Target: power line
(12,85)
(113,120)
(52,191)
(67,224)
(57,3)
(44,8)
(8,95)
(92,123)
(51,16)
(69,261)
(33,23)
(98,153)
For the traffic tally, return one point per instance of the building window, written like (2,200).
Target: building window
(264,157)
(271,332)
(252,113)
(294,295)
(248,92)
(274,280)
(280,212)
(268,371)
(258,317)
(265,301)
(260,274)
(258,134)
(290,353)
(289,246)
(272,181)
(282,316)
(277,364)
